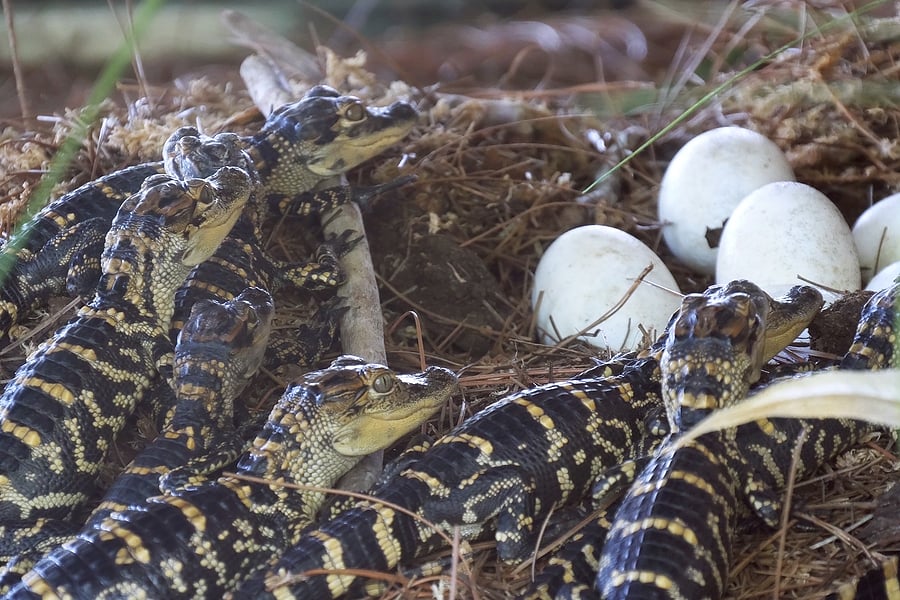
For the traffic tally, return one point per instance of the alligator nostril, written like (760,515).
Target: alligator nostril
(402,110)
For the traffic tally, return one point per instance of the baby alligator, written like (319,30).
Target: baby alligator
(218,351)
(67,403)
(501,470)
(241,260)
(202,540)
(664,546)
(301,145)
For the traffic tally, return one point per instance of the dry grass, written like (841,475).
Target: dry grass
(501,173)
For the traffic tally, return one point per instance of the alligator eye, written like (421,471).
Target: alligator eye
(355,112)
(383,384)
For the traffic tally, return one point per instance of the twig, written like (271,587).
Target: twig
(786,509)
(17,68)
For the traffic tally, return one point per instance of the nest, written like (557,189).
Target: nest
(501,174)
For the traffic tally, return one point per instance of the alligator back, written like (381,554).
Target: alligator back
(100,198)
(66,235)
(65,405)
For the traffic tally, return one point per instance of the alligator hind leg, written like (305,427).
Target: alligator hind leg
(199,469)
(84,265)
(499,492)
(23,544)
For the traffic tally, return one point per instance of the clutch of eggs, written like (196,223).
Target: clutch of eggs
(730,207)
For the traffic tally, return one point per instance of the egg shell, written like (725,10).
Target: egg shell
(877,236)
(585,272)
(885,277)
(706,180)
(784,231)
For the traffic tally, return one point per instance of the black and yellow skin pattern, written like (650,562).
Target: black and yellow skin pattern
(64,407)
(220,348)
(713,354)
(499,472)
(321,136)
(60,238)
(876,336)
(240,261)
(202,540)
(880,583)
(873,348)
(301,145)
(570,573)
(672,536)
(59,248)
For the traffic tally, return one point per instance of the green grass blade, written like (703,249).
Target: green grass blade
(105,83)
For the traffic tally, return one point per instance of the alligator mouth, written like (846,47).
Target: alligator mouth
(425,393)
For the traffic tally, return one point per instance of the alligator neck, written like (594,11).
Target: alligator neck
(141,269)
(281,164)
(295,448)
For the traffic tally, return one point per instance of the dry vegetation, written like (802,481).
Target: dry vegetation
(502,156)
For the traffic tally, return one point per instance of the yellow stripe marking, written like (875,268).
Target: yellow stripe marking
(56,390)
(191,512)
(27,435)
(660,524)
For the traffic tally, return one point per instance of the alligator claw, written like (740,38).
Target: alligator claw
(364,196)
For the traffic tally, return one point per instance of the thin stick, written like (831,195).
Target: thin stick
(786,509)
(17,68)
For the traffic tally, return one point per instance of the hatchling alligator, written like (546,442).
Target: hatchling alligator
(67,403)
(300,147)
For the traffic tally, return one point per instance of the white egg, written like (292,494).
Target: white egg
(877,235)
(784,231)
(585,273)
(704,183)
(884,277)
